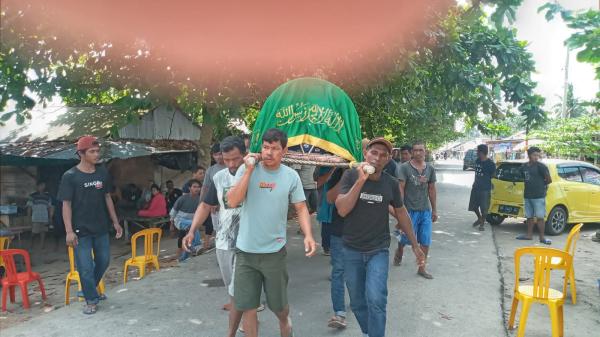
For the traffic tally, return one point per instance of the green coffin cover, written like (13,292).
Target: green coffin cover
(312,111)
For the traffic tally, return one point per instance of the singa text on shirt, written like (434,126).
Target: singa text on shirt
(96,183)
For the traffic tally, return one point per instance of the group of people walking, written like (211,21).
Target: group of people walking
(248,198)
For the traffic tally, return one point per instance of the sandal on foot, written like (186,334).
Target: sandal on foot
(291,332)
(397,259)
(523,237)
(337,322)
(425,274)
(481,228)
(102,297)
(90,309)
(476,223)
(546,241)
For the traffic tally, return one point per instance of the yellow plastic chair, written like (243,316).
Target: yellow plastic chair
(150,256)
(73,276)
(539,291)
(4,243)
(558,263)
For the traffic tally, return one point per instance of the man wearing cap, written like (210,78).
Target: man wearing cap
(88,212)
(364,201)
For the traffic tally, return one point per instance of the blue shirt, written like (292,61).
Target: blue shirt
(263,217)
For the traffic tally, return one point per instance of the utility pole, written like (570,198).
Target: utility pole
(566,85)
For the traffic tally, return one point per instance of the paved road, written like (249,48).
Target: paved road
(464,299)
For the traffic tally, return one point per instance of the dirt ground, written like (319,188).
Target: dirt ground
(53,266)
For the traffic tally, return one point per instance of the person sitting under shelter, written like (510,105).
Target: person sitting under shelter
(157,206)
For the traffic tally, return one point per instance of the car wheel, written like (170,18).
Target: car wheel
(557,221)
(495,219)
(464,167)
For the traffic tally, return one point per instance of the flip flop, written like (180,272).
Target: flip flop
(546,241)
(523,237)
(337,322)
(397,259)
(90,309)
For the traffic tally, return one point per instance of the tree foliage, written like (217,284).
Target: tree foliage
(574,106)
(462,68)
(572,137)
(585,39)
(470,68)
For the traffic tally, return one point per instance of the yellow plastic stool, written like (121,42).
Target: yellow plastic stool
(539,291)
(558,263)
(73,276)
(4,243)
(150,256)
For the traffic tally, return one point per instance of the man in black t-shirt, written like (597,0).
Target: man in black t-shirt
(88,211)
(537,178)
(365,202)
(482,186)
(391,168)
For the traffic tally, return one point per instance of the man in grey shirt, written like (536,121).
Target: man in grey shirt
(208,181)
(307,177)
(417,185)
(182,214)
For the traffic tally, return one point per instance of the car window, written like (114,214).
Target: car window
(590,175)
(509,172)
(570,173)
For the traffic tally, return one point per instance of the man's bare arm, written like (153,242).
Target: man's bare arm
(405,224)
(67,216)
(237,194)
(402,187)
(346,202)
(433,199)
(310,247)
(111,209)
(202,213)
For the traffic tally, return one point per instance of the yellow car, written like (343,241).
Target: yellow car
(573,196)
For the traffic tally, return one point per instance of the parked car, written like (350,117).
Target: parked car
(573,196)
(469,160)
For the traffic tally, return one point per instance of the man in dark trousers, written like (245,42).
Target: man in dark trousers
(364,202)
(481,191)
(88,212)
(537,178)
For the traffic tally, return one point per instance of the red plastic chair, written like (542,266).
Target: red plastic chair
(13,278)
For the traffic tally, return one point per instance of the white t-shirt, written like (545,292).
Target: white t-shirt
(229,218)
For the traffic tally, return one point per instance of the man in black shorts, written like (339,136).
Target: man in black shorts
(482,186)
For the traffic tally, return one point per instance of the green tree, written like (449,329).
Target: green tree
(577,138)
(471,67)
(574,106)
(586,38)
(465,66)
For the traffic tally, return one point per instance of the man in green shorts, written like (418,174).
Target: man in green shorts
(264,190)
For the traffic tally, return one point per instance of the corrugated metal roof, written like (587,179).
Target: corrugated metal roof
(62,150)
(61,123)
